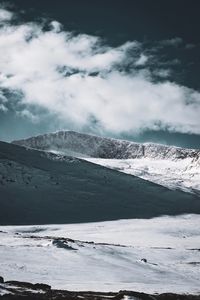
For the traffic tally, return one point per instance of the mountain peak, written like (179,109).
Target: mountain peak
(67,141)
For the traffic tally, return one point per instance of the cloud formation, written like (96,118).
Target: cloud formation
(80,80)
(5,15)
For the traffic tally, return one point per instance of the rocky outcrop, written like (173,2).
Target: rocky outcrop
(15,290)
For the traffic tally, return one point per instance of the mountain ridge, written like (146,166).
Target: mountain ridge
(95,146)
(169,166)
(38,187)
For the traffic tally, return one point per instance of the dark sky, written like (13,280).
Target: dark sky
(116,22)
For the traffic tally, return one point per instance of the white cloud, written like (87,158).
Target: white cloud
(142,60)
(3,100)
(163,73)
(5,15)
(78,78)
(2,97)
(56,26)
(25,113)
(3,108)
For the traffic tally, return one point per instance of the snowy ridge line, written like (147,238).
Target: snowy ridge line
(170,166)
(77,192)
(181,174)
(69,243)
(100,147)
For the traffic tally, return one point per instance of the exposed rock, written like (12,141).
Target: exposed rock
(63,243)
(14,290)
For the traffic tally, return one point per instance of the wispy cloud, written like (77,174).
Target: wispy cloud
(174,42)
(81,80)
(3,101)
(3,107)
(190,46)
(142,60)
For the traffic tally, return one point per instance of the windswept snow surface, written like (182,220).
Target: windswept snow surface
(156,255)
(173,174)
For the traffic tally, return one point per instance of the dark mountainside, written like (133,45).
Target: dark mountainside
(37,187)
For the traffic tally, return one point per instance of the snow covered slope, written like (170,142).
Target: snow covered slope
(38,187)
(170,166)
(178,174)
(155,255)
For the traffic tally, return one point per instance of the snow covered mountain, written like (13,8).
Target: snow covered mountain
(38,187)
(173,167)
(147,252)
(101,147)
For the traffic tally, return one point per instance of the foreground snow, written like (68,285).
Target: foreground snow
(174,174)
(155,255)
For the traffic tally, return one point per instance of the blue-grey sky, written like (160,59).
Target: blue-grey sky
(125,69)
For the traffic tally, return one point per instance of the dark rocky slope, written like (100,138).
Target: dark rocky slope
(15,290)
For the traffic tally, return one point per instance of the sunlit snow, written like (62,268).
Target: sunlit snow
(155,255)
(174,174)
